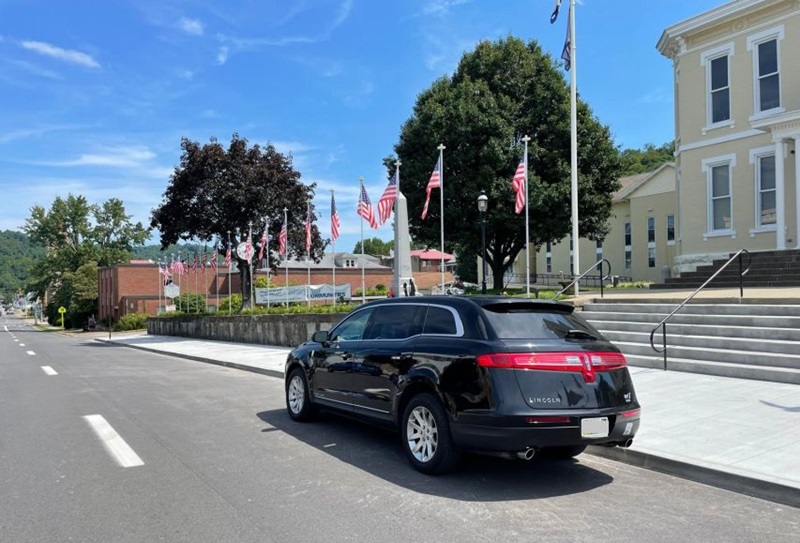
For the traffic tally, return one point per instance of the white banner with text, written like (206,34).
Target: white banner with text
(302,293)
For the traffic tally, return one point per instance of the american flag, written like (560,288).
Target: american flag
(196,263)
(566,53)
(263,243)
(435,182)
(365,208)
(214,257)
(205,259)
(282,239)
(335,222)
(228,256)
(388,197)
(308,228)
(519,186)
(248,248)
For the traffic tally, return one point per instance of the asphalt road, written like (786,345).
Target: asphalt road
(213,457)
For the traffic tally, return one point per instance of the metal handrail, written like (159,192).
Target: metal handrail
(602,277)
(663,323)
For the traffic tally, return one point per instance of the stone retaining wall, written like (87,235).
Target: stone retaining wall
(284,330)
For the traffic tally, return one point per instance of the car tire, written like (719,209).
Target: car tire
(298,400)
(425,433)
(562,453)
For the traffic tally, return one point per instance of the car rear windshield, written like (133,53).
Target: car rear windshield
(510,322)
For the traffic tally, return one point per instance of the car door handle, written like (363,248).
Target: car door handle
(400,357)
(347,356)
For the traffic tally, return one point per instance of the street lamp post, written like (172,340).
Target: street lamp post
(483,204)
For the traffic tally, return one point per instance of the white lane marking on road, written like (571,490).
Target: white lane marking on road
(21,344)
(49,371)
(30,353)
(113,442)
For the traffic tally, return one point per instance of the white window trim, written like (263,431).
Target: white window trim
(651,244)
(775,33)
(706,57)
(706,165)
(628,248)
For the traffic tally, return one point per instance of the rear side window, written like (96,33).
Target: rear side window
(396,322)
(526,323)
(439,321)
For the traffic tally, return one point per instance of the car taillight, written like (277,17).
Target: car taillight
(586,363)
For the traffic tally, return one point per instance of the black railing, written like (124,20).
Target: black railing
(599,266)
(663,323)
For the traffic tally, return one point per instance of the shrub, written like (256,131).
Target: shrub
(230,305)
(190,303)
(131,321)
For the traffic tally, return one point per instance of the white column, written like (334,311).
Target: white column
(780,212)
(797,187)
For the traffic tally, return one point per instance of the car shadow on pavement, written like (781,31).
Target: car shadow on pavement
(478,478)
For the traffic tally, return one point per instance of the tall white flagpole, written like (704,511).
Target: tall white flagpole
(526,139)
(266,250)
(333,248)
(363,278)
(396,279)
(308,256)
(441,148)
(286,254)
(230,265)
(574,143)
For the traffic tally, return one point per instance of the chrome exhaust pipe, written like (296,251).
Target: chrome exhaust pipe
(625,444)
(527,454)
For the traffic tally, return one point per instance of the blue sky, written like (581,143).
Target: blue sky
(95,96)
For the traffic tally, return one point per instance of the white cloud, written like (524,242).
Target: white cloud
(222,55)
(67,55)
(441,7)
(35,70)
(115,157)
(185,74)
(193,27)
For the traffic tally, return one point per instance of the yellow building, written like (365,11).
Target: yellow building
(737,126)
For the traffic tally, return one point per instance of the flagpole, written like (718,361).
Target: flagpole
(574,143)
(526,139)
(196,277)
(286,254)
(230,265)
(266,235)
(161,281)
(363,278)
(216,277)
(308,254)
(333,248)
(441,148)
(396,280)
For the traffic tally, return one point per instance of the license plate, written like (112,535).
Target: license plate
(595,427)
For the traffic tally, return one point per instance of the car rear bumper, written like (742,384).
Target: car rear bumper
(504,435)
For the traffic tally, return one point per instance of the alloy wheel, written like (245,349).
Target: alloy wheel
(422,434)
(296,394)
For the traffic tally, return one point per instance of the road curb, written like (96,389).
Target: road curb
(234,365)
(757,488)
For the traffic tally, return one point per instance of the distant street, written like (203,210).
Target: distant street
(102,443)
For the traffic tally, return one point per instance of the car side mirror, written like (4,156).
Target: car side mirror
(320,336)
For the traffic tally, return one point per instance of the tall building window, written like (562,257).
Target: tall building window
(765,183)
(717,62)
(769,92)
(670,229)
(765,48)
(651,242)
(720,201)
(720,98)
(627,245)
(549,257)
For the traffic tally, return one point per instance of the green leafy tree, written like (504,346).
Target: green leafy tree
(75,233)
(374,246)
(500,92)
(647,159)
(216,191)
(17,256)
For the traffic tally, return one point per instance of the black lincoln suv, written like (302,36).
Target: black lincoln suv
(493,375)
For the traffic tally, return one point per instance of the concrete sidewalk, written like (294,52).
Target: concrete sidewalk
(736,434)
